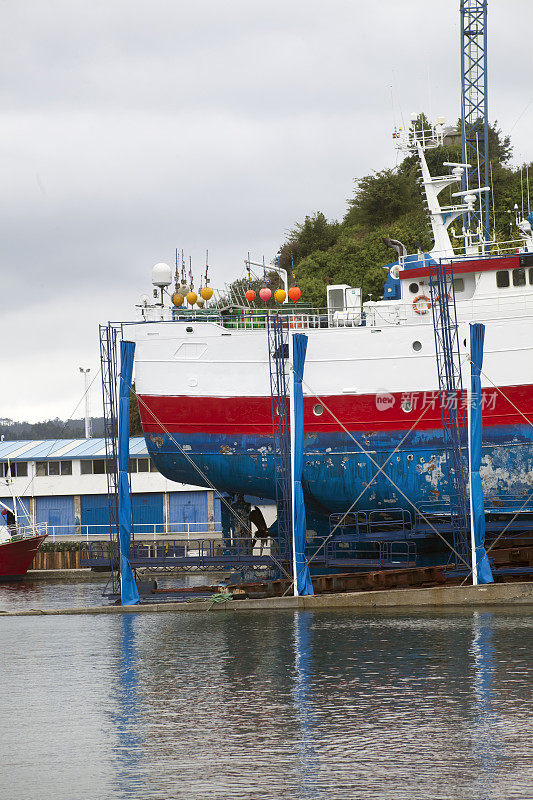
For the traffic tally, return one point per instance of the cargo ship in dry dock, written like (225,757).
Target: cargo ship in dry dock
(371,391)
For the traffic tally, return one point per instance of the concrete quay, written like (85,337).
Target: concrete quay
(505,595)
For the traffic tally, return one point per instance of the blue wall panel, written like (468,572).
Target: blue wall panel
(188,512)
(57,512)
(147,512)
(95,514)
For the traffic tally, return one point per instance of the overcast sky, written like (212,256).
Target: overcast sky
(130,128)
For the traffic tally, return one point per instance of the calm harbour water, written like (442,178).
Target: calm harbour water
(277,705)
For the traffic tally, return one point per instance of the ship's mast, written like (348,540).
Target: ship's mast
(474,111)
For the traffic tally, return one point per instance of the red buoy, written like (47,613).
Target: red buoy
(250,295)
(295,293)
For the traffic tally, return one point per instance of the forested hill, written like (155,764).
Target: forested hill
(49,429)
(386,204)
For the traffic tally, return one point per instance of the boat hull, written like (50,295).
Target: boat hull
(16,557)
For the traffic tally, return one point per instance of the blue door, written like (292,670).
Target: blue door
(95,515)
(57,512)
(147,513)
(188,512)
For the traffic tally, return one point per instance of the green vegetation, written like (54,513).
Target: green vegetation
(386,204)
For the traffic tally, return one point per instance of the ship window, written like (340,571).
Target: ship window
(502,279)
(530,270)
(458,284)
(66,467)
(417,346)
(519,277)
(413,288)
(318,410)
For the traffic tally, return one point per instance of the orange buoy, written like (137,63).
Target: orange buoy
(177,299)
(280,296)
(295,293)
(250,295)
(206,292)
(192,297)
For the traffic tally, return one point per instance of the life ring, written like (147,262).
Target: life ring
(421,304)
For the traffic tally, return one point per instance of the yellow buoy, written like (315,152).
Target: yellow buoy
(192,297)
(177,299)
(280,296)
(206,293)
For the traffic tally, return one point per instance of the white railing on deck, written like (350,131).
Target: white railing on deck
(154,530)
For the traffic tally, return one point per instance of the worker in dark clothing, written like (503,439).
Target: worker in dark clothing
(242,530)
(256,517)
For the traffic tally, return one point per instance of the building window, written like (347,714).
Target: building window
(52,468)
(502,279)
(19,469)
(139,465)
(519,277)
(93,467)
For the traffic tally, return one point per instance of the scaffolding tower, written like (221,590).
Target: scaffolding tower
(474,109)
(278,355)
(108,363)
(454,425)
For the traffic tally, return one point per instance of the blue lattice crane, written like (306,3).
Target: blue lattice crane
(474,110)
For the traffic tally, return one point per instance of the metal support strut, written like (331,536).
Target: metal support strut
(451,397)
(278,355)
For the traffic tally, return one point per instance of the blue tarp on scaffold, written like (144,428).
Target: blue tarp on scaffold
(303,582)
(128,588)
(477,506)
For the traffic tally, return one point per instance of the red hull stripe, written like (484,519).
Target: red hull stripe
(461,267)
(367,413)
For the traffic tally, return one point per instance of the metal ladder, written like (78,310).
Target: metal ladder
(454,426)
(108,364)
(278,354)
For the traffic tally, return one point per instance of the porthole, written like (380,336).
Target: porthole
(410,457)
(189,330)
(417,346)
(318,410)
(413,288)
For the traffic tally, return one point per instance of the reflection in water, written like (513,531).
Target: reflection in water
(484,732)
(301,693)
(127,718)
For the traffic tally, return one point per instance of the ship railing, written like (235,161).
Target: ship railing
(146,530)
(371,554)
(27,531)
(201,553)
(396,522)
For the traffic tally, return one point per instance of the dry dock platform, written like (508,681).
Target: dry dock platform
(437,597)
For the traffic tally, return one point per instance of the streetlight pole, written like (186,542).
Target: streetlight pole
(88,431)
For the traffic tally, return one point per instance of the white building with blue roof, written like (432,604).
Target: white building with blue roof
(62,483)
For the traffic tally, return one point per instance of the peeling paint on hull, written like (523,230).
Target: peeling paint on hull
(337,471)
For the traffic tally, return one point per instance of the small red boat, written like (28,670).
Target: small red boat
(16,556)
